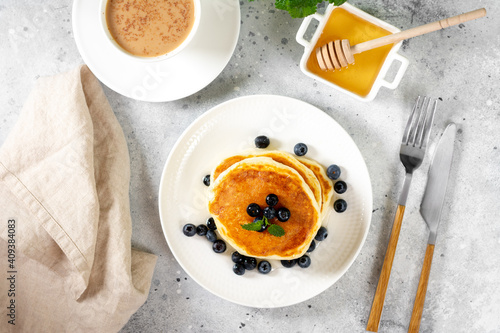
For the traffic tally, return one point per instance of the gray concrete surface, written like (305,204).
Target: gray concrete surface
(459,65)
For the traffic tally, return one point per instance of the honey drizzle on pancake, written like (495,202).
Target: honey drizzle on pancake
(251,180)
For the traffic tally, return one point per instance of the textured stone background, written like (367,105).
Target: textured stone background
(459,65)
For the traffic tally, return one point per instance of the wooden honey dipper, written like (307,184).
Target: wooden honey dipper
(339,53)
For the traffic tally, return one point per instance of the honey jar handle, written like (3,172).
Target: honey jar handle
(299,37)
(417,31)
(399,74)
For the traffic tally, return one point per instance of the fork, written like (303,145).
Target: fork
(411,153)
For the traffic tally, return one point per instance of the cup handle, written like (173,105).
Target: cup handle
(303,27)
(399,75)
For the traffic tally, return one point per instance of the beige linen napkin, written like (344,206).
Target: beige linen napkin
(66,262)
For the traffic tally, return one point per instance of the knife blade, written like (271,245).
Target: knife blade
(430,209)
(437,181)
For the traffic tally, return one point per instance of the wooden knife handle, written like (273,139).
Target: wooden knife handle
(418,307)
(383,281)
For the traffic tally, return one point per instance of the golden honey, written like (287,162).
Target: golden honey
(359,77)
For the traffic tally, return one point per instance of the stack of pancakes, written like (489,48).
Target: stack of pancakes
(301,185)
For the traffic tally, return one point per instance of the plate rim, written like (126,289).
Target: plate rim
(209,113)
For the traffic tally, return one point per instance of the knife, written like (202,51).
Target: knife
(430,209)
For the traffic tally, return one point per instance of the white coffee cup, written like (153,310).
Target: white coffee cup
(177,50)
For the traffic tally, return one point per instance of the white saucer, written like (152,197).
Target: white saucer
(183,75)
(228,129)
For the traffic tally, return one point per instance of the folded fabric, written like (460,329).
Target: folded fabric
(65,225)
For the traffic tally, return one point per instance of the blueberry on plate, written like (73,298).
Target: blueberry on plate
(272,200)
(321,234)
(333,172)
(206,180)
(211,223)
(283,214)
(340,205)
(238,269)
(312,246)
(340,187)
(211,235)
(270,213)
(264,267)
(304,261)
(300,149)
(237,257)
(288,263)
(253,210)
(249,263)
(262,141)
(189,230)
(219,246)
(201,230)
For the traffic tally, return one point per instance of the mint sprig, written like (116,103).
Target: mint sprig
(276,230)
(256,226)
(273,229)
(302,8)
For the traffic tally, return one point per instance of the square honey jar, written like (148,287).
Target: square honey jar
(363,79)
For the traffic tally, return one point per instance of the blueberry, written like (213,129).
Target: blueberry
(340,205)
(283,214)
(321,234)
(201,230)
(272,200)
(237,257)
(304,261)
(270,213)
(288,263)
(189,230)
(206,180)
(219,246)
(264,267)
(262,141)
(238,269)
(263,227)
(253,210)
(333,172)
(300,149)
(211,236)
(211,223)
(312,247)
(249,263)
(340,187)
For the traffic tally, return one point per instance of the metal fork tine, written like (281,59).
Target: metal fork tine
(427,128)
(422,122)
(409,124)
(415,122)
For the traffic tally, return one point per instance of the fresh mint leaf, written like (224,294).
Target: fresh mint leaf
(265,221)
(301,11)
(276,230)
(337,2)
(255,226)
(273,229)
(302,8)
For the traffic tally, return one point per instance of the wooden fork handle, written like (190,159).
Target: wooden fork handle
(383,281)
(418,306)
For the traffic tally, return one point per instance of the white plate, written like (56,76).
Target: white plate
(171,79)
(228,129)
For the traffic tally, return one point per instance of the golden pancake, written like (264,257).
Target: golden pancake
(280,157)
(250,181)
(324,181)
